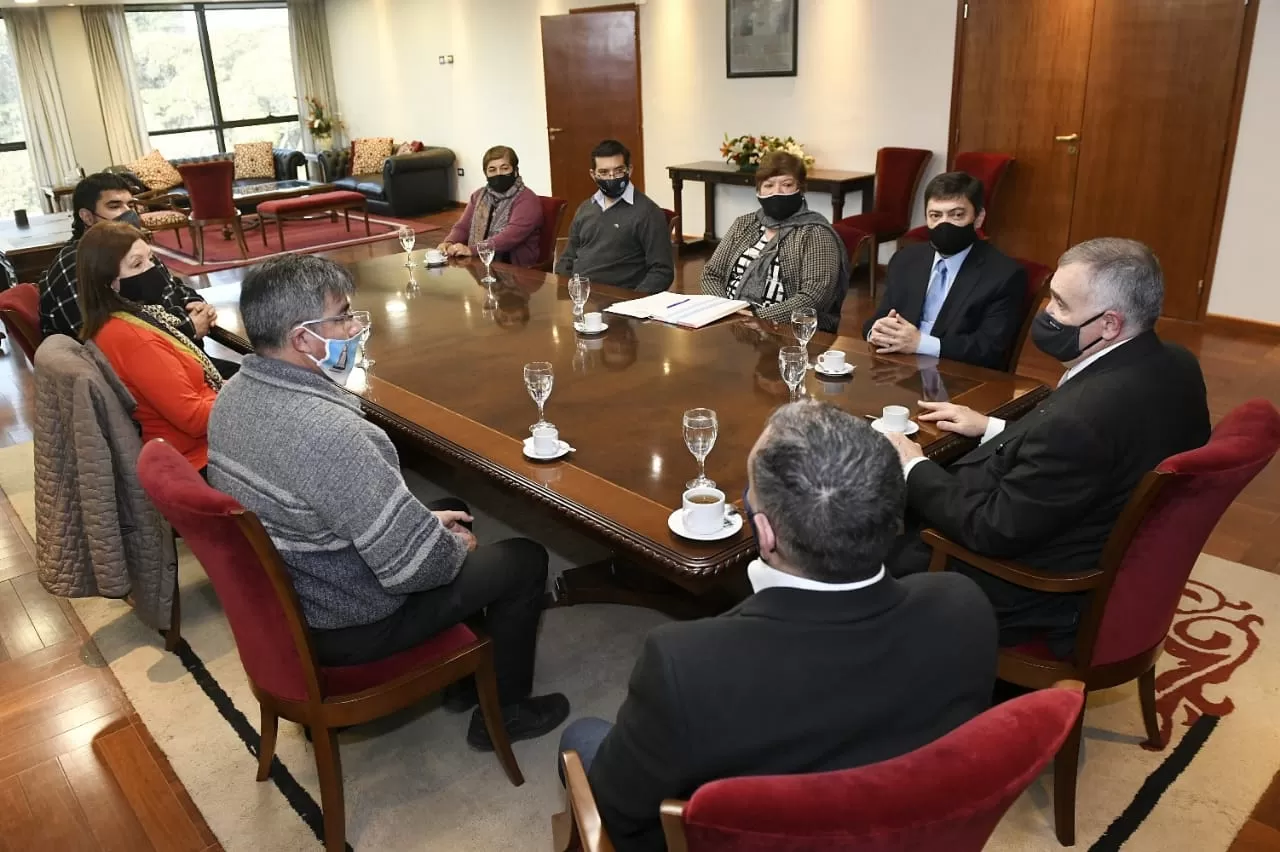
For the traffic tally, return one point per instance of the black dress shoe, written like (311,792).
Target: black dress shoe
(460,696)
(524,720)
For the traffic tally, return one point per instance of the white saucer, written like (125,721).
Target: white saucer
(581,328)
(847,371)
(564,450)
(433,264)
(878,424)
(734,518)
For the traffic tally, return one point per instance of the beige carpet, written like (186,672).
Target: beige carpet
(412,783)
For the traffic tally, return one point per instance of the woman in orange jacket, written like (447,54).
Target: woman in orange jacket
(170,377)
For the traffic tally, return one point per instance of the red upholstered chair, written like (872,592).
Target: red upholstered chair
(949,794)
(552,216)
(20,310)
(855,239)
(1135,588)
(274,642)
(673,230)
(898,172)
(1038,278)
(209,189)
(988,168)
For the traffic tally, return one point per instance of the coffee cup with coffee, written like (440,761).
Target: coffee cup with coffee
(832,361)
(894,418)
(593,321)
(546,440)
(703,510)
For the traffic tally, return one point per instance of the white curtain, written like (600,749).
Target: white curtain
(115,72)
(48,139)
(312,62)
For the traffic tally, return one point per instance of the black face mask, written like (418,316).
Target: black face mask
(951,239)
(145,288)
(613,187)
(501,183)
(130,217)
(780,207)
(1059,340)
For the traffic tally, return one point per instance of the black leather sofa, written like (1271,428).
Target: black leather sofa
(288,161)
(409,185)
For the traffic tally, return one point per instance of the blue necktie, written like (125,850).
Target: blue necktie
(934,297)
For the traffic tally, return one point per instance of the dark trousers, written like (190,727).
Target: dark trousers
(503,582)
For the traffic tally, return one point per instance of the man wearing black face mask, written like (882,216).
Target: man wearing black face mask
(618,236)
(956,296)
(1046,490)
(98,198)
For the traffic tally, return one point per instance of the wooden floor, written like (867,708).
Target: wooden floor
(78,770)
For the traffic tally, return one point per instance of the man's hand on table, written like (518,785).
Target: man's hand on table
(950,417)
(894,334)
(202,315)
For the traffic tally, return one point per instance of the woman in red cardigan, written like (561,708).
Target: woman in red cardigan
(170,377)
(504,212)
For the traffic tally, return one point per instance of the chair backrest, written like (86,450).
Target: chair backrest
(1160,534)
(1038,278)
(20,310)
(552,215)
(949,794)
(853,239)
(990,169)
(673,226)
(251,582)
(898,172)
(209,187)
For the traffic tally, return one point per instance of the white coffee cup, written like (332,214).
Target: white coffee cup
(435,256)
(832,361)
(703,510)
(593,321)
(894,418)
(546,440)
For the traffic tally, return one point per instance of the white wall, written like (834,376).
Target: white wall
(1245,282)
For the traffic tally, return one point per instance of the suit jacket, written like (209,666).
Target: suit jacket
(1048,489)
(983,310)
(793,681)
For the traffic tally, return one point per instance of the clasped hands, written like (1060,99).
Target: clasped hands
(449,249)
(947,417)
(453,522)
(202,315)
(892,333)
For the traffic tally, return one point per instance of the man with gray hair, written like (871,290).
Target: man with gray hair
(377,572)
(830,664)
(1047,489)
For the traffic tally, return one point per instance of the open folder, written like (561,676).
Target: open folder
(679,309)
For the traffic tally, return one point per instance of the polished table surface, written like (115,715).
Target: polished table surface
(448,378)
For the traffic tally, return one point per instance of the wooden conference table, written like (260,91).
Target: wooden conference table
(448,380)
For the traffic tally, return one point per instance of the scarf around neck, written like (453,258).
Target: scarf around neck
(493,211)
(755,278)
(161,320)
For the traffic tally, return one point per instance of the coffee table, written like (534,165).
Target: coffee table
(33,248)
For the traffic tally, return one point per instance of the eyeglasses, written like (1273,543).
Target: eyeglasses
(343,319)
(606,174)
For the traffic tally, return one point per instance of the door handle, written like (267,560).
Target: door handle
(1070,137)
(555,130)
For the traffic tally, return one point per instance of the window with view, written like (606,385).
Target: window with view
(212,76)
(17,183)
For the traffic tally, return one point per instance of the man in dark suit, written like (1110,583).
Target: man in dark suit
(956,296)
(830,664)
(1047,489)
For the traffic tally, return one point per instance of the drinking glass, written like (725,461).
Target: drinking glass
(366,325)
(579,292)
(804,323)
(484,251)
(407,238)
(700,436)
(538,378)
(792,363)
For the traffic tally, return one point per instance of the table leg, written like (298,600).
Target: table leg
(709,200)
(837,205)
(868,194)
(677,190)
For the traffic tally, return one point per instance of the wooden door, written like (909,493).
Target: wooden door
(1021,82)
(1154,142)
(591,68)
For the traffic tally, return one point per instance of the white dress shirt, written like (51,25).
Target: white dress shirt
(628,195)
(764,576)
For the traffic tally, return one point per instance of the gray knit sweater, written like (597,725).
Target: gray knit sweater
(293,447)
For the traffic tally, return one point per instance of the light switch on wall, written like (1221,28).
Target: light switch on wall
(441,60)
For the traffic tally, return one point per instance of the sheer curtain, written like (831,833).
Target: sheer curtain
(48,139)
(312,62)
(114,70)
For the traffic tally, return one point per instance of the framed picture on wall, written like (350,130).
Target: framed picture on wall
(760,37)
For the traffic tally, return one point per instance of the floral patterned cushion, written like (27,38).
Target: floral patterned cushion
(156,172)
(408,148)
(161,218)
(254,160)
(368,154)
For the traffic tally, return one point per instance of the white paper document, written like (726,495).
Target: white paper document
(679,309)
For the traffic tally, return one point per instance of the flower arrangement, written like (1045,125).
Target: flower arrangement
(746,151)
(319,120)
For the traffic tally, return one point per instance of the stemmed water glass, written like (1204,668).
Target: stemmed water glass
(484,251)
(538,378)
(793,361)
(804,323)
(366,327)
(700,428)
(579,292)
(407,238)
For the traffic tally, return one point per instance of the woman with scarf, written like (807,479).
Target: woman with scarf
(783,256)
(173,382)
(504,212)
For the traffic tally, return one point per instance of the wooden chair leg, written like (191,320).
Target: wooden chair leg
(267,742)
(262,226)
(199,236)
(346,218)
(1147,697)
(280,230)
(1065,768)
(177,233)
(329,768)
(364,208)
(491,710)
(239,232)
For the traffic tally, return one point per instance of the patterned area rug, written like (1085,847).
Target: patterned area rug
(412,783)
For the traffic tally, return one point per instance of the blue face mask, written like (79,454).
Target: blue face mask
(339,355)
